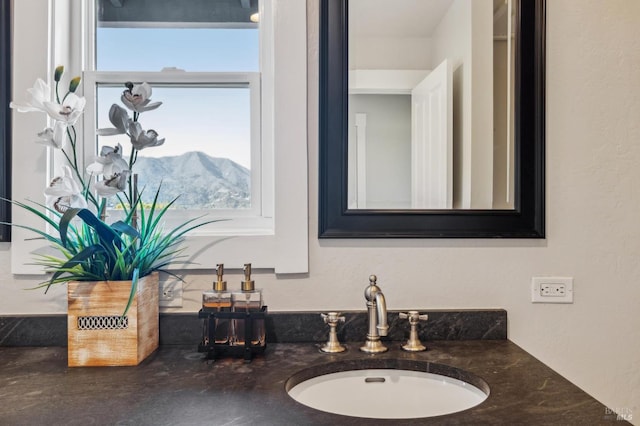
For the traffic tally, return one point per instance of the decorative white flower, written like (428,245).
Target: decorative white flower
(71,189)
(36,97)
(65,192)
(119,117)
(68,111)
(112,185)
(53,137)
(137,97)
(141,139)
(109,162)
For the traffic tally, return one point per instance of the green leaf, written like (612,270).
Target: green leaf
(64,224)
(37,212)
(134,289)
(106,233)
(125,228)
(74,261)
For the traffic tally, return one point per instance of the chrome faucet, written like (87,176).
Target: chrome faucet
(377,310)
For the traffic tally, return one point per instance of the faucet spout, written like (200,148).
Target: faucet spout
(381,304)
(377,315)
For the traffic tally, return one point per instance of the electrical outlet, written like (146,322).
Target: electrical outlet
(552,290)
(170,294)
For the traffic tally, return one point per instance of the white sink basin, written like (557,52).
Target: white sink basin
(383,393)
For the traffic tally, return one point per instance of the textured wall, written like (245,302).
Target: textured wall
(593,232)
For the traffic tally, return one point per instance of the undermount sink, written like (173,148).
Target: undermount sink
(387,389)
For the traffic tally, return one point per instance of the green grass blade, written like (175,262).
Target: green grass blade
(132,294)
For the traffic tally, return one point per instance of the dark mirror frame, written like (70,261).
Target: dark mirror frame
(526,220)
(5,117)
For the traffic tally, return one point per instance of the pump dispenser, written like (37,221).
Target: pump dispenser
(218,300)
(249,299)
(248,285)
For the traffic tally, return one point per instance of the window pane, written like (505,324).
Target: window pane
(196,36)
(206,157)
(152,49)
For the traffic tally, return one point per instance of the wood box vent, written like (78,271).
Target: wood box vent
(103,322)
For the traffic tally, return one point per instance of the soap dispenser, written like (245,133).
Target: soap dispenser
(215,301)
(247,300)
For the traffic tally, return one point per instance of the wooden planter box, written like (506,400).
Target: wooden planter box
(97,337)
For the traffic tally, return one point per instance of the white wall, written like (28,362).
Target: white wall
(388,149)
(593,224)
(389,53)
(464,37)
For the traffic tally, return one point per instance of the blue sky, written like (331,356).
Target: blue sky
(193,49)
(211,120)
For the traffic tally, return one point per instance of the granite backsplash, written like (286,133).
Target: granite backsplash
(282,327)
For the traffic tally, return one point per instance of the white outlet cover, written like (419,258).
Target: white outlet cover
(175,286)
(536,294)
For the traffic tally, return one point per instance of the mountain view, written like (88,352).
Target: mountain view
(198,180)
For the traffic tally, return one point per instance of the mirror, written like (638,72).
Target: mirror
(430,93)
(518,211)
(5,118)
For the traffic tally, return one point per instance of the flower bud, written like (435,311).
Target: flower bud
(73,85)
(58,72)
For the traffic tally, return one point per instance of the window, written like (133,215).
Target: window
(203,62)
(268,225)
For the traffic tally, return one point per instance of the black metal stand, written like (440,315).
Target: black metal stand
(215,350)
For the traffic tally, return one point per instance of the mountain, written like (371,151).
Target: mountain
(198,180)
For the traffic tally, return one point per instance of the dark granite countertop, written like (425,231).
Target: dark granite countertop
(176,386)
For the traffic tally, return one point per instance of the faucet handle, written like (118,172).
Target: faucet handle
(413,316)
(332,317)
(333,344)
(413,344)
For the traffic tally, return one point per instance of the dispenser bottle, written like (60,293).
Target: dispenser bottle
(218,300)
(249,299)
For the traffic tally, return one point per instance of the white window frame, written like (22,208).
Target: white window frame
(284,119)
